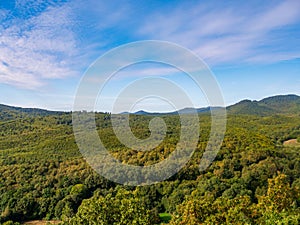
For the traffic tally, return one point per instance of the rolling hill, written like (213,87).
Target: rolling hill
(44,176)
(280,104)
(11,112)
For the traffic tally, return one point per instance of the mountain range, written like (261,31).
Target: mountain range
(12,112)
(280,104)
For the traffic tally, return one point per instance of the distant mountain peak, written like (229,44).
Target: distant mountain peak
(279,104)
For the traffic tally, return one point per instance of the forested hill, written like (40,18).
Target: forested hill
(255,178)
(11,112)
(280,104)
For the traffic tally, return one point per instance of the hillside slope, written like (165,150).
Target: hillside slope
(281,104)
(11,112)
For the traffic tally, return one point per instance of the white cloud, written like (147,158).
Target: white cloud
(271,58)
(145,71)
(38,48)
(280,15)
(53,41)
(227,33)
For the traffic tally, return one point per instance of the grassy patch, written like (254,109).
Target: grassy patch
(165,217)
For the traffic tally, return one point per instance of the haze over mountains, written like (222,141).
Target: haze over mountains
(280,104)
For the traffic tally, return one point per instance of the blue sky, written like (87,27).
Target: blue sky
(252,48)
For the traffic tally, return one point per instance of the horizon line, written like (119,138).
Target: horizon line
(150,112)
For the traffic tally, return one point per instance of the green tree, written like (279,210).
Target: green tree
(119,209)
(280,196)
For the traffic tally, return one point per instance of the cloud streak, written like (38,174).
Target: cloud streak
(227,34)
(38,48)
(43,40)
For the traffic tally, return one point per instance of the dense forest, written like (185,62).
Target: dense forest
(255,178)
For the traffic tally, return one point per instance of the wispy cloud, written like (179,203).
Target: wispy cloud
(145,71)
(226,34)
(37,48)
(285,13)
(42,40)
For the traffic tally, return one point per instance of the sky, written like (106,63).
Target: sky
(46,47)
